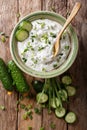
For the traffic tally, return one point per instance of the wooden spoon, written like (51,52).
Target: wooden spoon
(72,15)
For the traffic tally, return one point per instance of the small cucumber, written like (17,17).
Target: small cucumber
(71,90)
(18,78)
(60,112)
(66,80)
(70,117)
(63,94)
(41,97)
(5,76)
(26,25)
(21,35)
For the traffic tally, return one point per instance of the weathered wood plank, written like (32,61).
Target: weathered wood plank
(25,8)
(79,69)
(28,6)
(8,11)
(58,6)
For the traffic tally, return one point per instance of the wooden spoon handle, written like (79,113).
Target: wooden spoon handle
(72,15)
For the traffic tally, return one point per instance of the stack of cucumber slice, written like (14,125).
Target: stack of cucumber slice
(23,31)
(54,93)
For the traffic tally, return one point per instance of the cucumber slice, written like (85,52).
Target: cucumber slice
(41,97)
(55,102)
(66,80)
(26,25)
(60,112)
(70,117)
(21,35)
(63,94)
(71,90)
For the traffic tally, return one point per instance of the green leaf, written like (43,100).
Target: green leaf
(2,107)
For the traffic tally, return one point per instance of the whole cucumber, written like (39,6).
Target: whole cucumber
(18,78)
(5,76)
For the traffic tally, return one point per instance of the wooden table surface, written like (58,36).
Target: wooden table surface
(11,119)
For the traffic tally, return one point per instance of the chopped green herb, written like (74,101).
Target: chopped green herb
(40,48)
(32,40)
(67,13)
(42,128)
(2,33)
(49,42)
(61,54)
(53,9)
(52,125)
(37,110)
(31,117)
(34,36)
(64,35)
(3,39)
(43,69)
(45,37)
(29,106)
(42,25)
(24,59)
(53,35)
(26,49)
(30,46)
(38,22)
(22,106)
(25,116)
(34,60)
(44,58)
(2,107)
(55,65)
(18,15)
(67,47)
(29,128)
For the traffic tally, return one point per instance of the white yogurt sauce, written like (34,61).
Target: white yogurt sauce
(37,50)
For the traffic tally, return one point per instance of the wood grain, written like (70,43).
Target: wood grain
(8,11)
(25,8)
(79,69)
(13,120)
